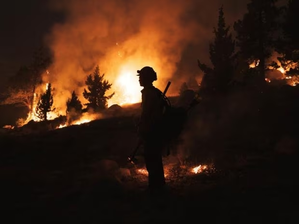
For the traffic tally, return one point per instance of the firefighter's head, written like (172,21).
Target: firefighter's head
(146,75)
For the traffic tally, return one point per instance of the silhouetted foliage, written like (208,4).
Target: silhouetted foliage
(256,33)
(19,92)
(22,86)
(221,53)
(97,87)
(74,108)
(44,105)
(74,103)
(221,56)
(289,45)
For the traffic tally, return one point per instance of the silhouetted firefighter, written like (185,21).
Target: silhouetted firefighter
(159,124)
(150,118)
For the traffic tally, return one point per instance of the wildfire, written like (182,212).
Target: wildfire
(62,126)
(282,70)
(32,115)
(86,118)
(142,171)
(291,80)
(195,170)
(199,169)
(127,84)
(254,64)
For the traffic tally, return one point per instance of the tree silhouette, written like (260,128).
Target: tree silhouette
(44,105)
(289,45)
(221,57)
(22,86)
(97,87)
(19,92)
(256,33)
(74,108)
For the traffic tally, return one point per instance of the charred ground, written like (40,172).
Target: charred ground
(79,174)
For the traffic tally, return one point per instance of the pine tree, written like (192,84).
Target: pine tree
(74,108)
(96,90)
(221,57)
(41,60)
(44,105)
(256,33)
(221,52)
(74,104)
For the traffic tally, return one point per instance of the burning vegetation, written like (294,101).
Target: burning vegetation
(78,50)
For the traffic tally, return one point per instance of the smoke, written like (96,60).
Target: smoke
(123,36)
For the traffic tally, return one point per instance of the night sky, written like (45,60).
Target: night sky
(23,25)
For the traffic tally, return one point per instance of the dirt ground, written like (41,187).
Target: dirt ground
(79,174)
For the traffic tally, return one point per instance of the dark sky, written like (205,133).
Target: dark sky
(23,25)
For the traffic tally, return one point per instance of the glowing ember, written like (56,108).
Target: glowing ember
(267,80)
(195,170)
(62,126)
(142,171)
(199,169)
(254,64)
(8,126)
(292,80)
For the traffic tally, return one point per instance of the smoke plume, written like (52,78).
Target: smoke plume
(123,36)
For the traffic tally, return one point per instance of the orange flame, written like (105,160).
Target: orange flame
(199,169)
(142,171)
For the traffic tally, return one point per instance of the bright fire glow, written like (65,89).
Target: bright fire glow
(32,115)
(254,64)
(195,170)
(291,80)
(142,171)
(86,118)
(199,169)
(282,70)
(62,126)
(127,86)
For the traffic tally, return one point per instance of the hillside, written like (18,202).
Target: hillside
(80,174)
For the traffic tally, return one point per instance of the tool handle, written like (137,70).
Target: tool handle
(166,88)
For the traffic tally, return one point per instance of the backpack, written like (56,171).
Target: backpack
(172,122)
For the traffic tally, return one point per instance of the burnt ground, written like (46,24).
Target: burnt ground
(79,174)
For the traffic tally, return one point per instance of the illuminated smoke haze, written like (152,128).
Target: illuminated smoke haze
(123,36)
